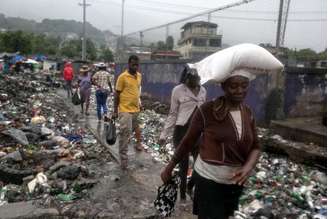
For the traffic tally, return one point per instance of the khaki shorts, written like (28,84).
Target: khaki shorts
(128,121)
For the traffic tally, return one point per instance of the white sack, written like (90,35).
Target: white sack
(250,57)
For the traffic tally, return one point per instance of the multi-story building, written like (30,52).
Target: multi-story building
(199,39)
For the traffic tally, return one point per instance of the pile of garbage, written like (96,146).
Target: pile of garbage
(151,124)
(43,152)
(158,107)
(279,187)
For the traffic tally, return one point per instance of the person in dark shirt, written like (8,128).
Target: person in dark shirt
(228,151)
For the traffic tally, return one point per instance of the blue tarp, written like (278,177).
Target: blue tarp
(16,58)
(40,57)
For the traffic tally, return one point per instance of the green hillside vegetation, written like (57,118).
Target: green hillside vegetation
(54,28)
(27,43)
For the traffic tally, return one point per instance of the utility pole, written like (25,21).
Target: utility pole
(281,30)
(122,26)
(84,5)
(284,19)
(279,26)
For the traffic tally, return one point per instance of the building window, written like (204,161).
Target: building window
(212,31)
(199,42)
(215,42)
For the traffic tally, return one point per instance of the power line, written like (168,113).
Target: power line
(197,15)
(205,8)
(232,17)
(233,10)
(157,10)
(175,12)
(269,19)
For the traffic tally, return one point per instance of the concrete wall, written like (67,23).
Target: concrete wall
(160,78)
(304,89)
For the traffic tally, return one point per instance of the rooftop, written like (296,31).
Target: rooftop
(199,23)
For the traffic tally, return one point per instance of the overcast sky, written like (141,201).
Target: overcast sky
(254,22)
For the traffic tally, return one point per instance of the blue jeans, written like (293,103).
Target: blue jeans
(101,98)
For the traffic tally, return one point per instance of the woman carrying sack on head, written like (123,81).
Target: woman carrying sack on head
(229,147)
(84,82)
(229,150)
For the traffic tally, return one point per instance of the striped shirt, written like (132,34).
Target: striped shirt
(102,79)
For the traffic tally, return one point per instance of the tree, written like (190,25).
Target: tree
(106,54)
(169,43)
(17,41)
(71,49)
(322,55)
(161,45)
(306,55)
(91,50)
(152,46)
(39,44)
(45,45)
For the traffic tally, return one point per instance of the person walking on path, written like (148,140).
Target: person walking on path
(185,98)
(84,82)
(228,152)
(127,107)
(68,74)
(101,79)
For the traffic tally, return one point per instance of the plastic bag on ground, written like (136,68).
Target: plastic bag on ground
(39,179)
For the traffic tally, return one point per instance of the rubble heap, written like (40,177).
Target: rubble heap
(43,153)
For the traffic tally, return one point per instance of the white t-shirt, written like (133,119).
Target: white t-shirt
(236,116)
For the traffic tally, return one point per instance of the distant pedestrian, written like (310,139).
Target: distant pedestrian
(5,65)
(185,99)
(84,81)
(127,107)
(68,77)
(101,79)
(111,68)
(18,67)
